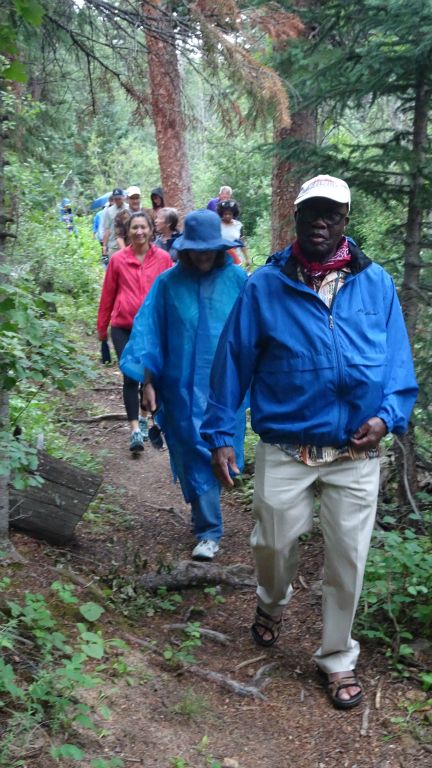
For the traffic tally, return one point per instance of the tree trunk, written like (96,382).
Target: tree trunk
(286,180)
(167,110)
(410,290)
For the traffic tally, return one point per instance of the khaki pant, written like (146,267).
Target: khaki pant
(283,510)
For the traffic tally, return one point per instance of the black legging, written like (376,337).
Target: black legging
(120,337)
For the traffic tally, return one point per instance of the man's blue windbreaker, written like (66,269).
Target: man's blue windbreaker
(174,336)
(316,373)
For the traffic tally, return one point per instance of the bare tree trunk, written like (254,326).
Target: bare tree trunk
(286,180)
(410,290)
(168,117)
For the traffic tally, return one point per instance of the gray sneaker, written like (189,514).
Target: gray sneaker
(205,550)
(136,442)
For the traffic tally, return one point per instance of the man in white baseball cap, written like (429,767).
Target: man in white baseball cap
(325,186)
(133,195)
(318,338)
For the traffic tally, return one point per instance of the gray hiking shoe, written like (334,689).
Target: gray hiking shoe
(136,442)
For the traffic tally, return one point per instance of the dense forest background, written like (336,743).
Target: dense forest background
(259,96)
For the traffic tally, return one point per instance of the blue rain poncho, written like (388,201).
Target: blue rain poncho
(174,336)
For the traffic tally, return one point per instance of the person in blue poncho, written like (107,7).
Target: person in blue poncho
(171,349)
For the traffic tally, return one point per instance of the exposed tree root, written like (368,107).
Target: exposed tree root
(188,574)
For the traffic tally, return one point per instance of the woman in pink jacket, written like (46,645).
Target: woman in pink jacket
(128,279)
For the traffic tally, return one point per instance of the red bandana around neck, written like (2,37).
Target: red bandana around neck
(314,269)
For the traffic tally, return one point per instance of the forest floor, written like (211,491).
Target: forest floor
(165,716)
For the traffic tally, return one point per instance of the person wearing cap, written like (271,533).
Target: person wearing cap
(318,336)
(133,199)
(133,205)
(109,240)
(225,193)
(171,349)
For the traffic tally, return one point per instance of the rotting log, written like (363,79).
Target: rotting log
(189,573)
(52,510)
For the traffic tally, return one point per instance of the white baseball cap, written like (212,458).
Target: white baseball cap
(325,186)
(133,191)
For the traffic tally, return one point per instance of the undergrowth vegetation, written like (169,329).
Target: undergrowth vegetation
(47,664)
(395,608)
(48,309)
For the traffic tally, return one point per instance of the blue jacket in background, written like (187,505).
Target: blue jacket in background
(316,373)
(174,336)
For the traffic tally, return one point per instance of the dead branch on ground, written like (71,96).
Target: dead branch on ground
(188,574)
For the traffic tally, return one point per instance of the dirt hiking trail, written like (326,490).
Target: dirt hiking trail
(164,716)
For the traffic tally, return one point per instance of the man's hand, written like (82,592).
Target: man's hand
(223,459)
(369,434)
(148,398)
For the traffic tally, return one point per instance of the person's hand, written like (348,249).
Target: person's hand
(103,336)
(369,434)
(222,460)
(148,398)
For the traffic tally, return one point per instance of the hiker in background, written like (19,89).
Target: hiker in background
(133,205)
(133,199)
(128,279)
(319,337)
(121,222)
(157,201)
(66,215)
(108,223)
(225,193)
(97,227)
(105,352)
(232,229)
(171,349)
(166,230)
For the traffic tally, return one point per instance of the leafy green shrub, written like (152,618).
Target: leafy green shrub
(43,670)
(395,605)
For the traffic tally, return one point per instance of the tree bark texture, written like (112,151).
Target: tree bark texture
(410,290)
(286,180)
(188,574)
(167,109)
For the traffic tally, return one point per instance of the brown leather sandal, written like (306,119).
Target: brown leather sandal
(333,688)
(268,624)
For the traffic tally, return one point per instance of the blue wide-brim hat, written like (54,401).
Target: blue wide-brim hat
(202,232)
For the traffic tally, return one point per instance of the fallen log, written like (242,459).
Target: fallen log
(52,510)
(189,573)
